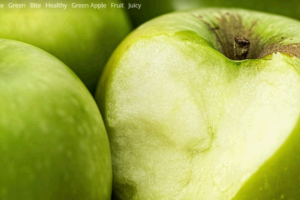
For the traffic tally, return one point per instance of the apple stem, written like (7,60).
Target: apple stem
(241,48)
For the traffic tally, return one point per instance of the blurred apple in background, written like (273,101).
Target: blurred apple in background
(53,143)
(194,112)
(153,8)
(82,38)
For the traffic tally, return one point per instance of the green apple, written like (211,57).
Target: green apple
(83,38)
(190,117)
(53,143)
(153,8)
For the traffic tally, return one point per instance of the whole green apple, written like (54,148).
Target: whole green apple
(150,9)
(83,38)
(53,143)
(193,112)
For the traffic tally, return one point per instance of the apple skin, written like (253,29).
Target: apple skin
(186,121)
(82,38)
(151,9)
(53,142)
(280,172)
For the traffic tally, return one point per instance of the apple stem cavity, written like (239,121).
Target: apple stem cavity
(241,48)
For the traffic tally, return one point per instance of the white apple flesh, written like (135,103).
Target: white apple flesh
(186,122)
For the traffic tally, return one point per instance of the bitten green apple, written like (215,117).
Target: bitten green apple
(83,38)
(205,105)
(153,8)
(53,143)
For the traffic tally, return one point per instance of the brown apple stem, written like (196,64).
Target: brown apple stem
(241,48)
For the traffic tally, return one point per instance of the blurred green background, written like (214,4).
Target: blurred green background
(153,8)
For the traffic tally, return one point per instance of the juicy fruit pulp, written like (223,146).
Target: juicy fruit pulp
(53,143)
(186,122)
